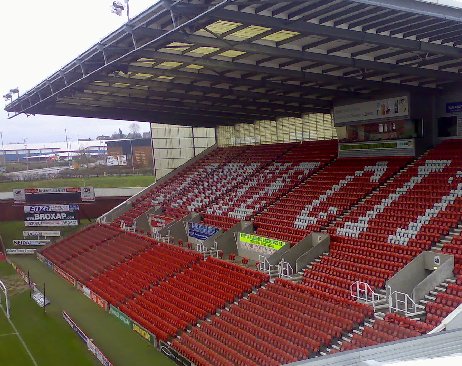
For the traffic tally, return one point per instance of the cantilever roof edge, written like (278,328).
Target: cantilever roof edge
(447,10)
(139,22)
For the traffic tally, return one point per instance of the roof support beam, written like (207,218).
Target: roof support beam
(255,97)
(318,57)
(419,7)
(258,84)
(159,92)
(338,33)
(285,73)
(136,115)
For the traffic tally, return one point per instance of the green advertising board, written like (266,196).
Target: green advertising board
(259,240)
(121,316)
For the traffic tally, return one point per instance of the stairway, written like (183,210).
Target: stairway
(447,239)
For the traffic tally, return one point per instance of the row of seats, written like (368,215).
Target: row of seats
(149,268)
(279,324)
(317,202)
(393,224)
(444,303)
(382,331)
(191,294)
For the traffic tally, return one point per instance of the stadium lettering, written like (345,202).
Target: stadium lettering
(50,216)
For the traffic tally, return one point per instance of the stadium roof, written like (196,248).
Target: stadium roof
(215,62)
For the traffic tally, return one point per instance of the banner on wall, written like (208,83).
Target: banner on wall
(41,233)
(398,144)
(53,219)
(31,242)
(260,244)
(455,107)
(373,110)
(116,160)
(47,195)
(50,208)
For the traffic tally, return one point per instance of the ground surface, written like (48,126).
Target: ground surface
(120,344)
(97,182)
(33,337)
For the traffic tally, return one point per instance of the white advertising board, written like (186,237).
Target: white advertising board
(31,242)
(373,110)
(39,233)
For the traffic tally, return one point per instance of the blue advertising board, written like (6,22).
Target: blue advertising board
(201,231)
(455,107)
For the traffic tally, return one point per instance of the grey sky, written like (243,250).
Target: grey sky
(39,37)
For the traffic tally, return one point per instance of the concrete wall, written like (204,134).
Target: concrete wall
(227,242)
(312,247)
(177,229)
(444,270)
(415,274)
(276,257)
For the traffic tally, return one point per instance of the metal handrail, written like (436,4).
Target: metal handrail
(362,291)
(396,298)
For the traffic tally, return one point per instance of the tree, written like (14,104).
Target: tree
(135,131)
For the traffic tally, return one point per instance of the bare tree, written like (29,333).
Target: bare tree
(134,130)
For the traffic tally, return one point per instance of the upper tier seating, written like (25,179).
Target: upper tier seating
(454,248)
(274,180)
(220,186)
(325,196)
(181,182)
(189,296)
(386,231)
(282,323)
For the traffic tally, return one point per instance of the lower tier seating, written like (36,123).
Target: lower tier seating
(444,303)
(281,323)
(394,327)
(169,306)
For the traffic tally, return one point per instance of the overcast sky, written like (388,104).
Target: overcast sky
(39,37)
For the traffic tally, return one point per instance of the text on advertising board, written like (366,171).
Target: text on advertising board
(259,240)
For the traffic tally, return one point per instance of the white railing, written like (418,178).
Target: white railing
(264,265)
(200,247)
(130,229)
(7,302)
(361,291)
(399,301)
(285,270)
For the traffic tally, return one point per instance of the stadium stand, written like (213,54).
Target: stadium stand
(392,212)
(191,295)
(445,302)
(394,327)
(94,249)
(327,195)
(148,268)
(228,196)
(279,324)
(274,180)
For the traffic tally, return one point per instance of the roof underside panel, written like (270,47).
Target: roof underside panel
(210,62)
